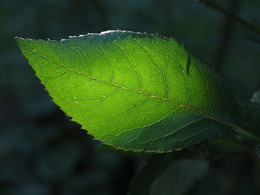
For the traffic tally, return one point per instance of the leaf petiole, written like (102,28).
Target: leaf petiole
(246,133)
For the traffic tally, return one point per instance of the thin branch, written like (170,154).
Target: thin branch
(246,133)
(226,40)
(220,9)
(234,143)
(227,155)
(253,40)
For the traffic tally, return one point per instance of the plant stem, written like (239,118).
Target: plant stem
(225,156)
(253,39)
(234,143)
(226,34)
(220,9)
(245,133)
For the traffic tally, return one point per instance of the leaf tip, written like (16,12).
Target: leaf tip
(18,39)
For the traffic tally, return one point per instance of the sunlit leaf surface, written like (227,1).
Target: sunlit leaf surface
(132,90)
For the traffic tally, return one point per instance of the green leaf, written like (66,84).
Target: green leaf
(131,90)
(250,114)
(165,175)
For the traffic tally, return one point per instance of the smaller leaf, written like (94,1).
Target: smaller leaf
(250,114)
(251,117)
(163,174)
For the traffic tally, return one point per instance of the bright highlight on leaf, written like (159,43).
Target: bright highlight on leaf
(131,90)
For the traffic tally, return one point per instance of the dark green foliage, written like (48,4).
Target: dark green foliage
(166,174)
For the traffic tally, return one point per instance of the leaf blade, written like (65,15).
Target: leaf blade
(120,84)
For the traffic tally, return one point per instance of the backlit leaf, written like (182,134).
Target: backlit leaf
(132,90)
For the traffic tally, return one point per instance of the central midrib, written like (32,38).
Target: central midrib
(116,85)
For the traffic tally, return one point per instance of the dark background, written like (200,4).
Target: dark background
(43,153)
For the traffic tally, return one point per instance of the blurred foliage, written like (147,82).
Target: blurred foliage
(43,153)
(171,173)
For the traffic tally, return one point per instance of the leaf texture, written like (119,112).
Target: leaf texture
(131,90)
